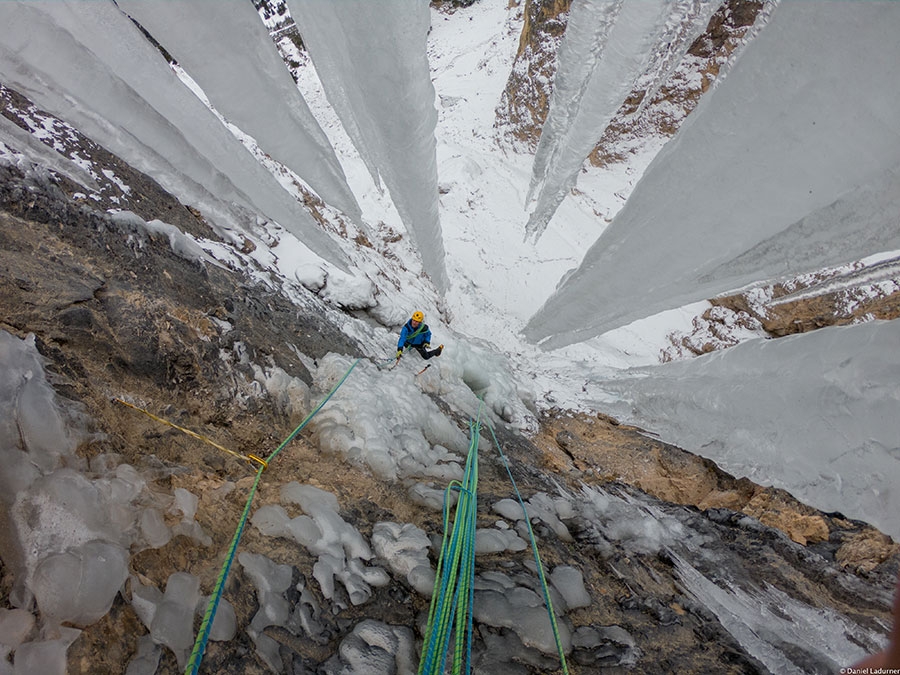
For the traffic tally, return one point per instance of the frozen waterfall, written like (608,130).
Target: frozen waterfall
(806,118)
(607,47)
(251,87)
(372,62)
(87,63)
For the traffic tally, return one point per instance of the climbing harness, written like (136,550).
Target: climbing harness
(193,664)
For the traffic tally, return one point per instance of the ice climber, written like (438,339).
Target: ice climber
(415,334)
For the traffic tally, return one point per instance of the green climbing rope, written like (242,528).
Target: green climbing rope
(193,664)
(451,600)
(537,559)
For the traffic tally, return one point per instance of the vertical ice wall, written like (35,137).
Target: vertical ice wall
(87,63)
(808,114)
(606,48)
(249,85)
(373,65)
(814,414)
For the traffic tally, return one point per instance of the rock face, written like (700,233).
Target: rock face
(526,100)
(657,561)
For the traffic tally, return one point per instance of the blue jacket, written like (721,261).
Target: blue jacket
(406,333)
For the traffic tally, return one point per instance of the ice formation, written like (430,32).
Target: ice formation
(374,648)
(372,62)
(342,551)
(379,419)
(802,413)
(606,48)
(251,87)
(73,524)
(804,119)
(405,549)
(123,94)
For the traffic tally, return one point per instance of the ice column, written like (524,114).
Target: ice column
(806,117)
(814,414)
(371,59)
(87,63)
(226,49)
(607,47)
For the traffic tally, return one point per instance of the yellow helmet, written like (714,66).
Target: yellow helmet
(418,316)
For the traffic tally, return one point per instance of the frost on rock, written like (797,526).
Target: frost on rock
(807,112)
(250,86)
(606,48)
(372,62)
(87,63)
(802,413)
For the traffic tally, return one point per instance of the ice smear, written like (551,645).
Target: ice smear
(765,619)
(372,62)
(79,585)
(173,620)
(405,548)
(47,657)
(271,581)
(33,434)
(570,584)
(522,611)
(146,660)
(340,547)
(383,420)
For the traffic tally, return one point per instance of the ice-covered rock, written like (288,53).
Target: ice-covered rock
(224,625)
(570,584)
(340,547)
(405,549)
(380,420)
(144,601)
(79,586)
(541,507)
(47,657)
(522,611)
(154,528)
(146,661)
(290,394)
(173,621)
(375,648)
(491,540)
(186,503)
(15,626)
(429,497)
(271,581)
(509,509)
